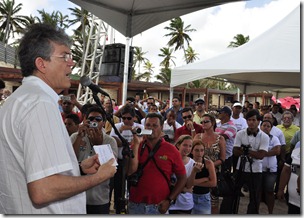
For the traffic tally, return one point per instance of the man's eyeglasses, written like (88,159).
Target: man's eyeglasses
(67,57)
(187,117)
(149,103)
(197,104)
(97,118)
(205,121)
(128,118)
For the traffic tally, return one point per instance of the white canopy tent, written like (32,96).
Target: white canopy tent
(270,61)
(131,17)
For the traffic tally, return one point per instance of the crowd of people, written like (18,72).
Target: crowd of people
(50,166)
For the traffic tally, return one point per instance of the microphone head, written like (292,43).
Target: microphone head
(85,81)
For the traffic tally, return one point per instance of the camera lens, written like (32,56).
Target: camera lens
(138,130)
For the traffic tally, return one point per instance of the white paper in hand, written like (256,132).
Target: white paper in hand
(105,153)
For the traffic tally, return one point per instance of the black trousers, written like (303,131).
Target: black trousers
(228,164)
(118,192)
(293,209)
(254,183)
(98,209)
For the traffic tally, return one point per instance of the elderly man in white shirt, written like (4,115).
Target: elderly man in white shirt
(40,173)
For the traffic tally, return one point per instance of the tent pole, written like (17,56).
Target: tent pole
(171,97)
(126,67)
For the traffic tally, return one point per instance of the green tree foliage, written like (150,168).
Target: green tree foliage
(10,21)
(164,76)
(191,55)
(178,34)
(138,58)
(166,53)
(147,74)
(239,40)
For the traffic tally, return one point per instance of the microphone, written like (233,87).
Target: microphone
(86,81)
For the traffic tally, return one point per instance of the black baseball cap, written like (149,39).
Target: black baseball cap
(225,109)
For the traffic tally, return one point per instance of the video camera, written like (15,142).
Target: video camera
(245,149)
(141,132)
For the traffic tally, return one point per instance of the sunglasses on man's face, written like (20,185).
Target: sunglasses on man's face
(205,121)
(97,118)
(128,118)
(187,117)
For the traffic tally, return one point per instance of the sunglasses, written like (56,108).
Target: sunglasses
(68,103)
(199,104)
(205,121)
(97,118)
(149,103)
(187,117)
(128,118)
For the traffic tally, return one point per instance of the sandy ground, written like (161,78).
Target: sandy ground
(280,207)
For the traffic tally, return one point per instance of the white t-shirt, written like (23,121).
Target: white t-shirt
(260,142)
(278,133)
(169,130)
(240,123)
(184,201)
(127,134)
(294,197)
(34,144)
(271,162)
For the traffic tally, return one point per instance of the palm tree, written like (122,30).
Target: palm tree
(29,20)
(213,83)
(62,20)
(164,76)
(179,34)
(81,18)
(56,19)
(191,56)
(239,40)
(139,58)
(146,75)
(11,23)
(167,55)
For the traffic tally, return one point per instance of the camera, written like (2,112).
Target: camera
(93,125)
(134,178)
(245,149)
(65,98)
(141,132)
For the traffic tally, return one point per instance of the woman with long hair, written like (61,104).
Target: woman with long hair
(184,201)
(215,150)
(204,180)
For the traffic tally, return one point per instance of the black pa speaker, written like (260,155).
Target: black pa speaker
(112,66)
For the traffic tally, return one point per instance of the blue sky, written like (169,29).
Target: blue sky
(215,26)
(259,3)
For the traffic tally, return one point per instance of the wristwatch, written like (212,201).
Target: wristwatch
(170,200)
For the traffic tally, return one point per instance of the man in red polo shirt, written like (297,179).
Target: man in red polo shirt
(152,194)
(189,127)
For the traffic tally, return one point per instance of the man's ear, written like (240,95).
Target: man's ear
(39,62)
